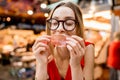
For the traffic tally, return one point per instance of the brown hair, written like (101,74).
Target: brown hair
(78,17)
(116,35)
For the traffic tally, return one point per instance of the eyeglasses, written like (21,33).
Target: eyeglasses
(68,24)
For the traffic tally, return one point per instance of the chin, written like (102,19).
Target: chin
(63,51)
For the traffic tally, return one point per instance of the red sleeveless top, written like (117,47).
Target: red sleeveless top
(54,73)
(114,55)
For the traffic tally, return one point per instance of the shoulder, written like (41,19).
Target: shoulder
(89,46)
(114,43)
(89,55)
(88,43)
(89,49)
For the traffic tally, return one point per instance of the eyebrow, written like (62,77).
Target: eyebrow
(68,17)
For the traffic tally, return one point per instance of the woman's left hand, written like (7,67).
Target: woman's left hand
(76,47)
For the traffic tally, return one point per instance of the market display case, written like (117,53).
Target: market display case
(98,31)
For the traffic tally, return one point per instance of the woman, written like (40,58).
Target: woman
(113,61)
(67,62)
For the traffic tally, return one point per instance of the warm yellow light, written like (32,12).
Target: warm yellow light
(97,25)
(43,5)
(46,14)
(30,12)
(105,14)
(8,19)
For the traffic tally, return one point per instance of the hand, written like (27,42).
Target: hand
(41,49)
(76,47)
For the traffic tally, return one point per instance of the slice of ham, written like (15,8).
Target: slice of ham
(58,40)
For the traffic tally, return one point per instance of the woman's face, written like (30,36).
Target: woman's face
(61,14)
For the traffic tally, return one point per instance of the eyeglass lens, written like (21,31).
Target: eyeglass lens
(67,24)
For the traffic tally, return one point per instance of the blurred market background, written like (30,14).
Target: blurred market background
(22,21)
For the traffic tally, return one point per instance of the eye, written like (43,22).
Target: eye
(69,22)
(54,23)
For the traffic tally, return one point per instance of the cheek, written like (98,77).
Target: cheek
(72,32)
(52,32)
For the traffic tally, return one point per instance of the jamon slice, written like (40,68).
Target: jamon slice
(58,40)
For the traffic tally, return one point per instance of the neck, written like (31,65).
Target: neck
(116,39)
(62,66)
(61,61)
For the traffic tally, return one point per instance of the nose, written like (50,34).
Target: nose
(60,27)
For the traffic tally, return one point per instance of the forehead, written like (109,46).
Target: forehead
(63,12)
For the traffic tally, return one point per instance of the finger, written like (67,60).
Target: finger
(50,57)
(40,44)
(75,45)
(38,51)
(80,40)
(74,41)
(48,49)
(40,40)
(82,51)
(43,39)
(72,53)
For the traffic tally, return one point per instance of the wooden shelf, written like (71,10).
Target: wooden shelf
(116,12)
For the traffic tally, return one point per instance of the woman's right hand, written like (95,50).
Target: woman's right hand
(41,49)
